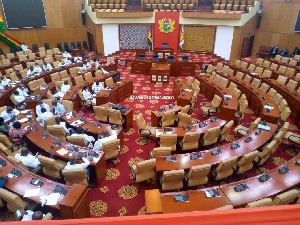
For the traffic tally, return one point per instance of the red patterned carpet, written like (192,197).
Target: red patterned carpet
(115,197)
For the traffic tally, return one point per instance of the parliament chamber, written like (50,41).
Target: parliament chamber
(151,111)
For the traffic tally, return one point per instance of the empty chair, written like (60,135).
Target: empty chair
(109,82)
(75,176)
(244,64)
(55,76)
(282,105)
(184,119)
(264,87)
(284,115)
(278,58)
(213,109)
(251,67)
(101,113)
(240,75)
(190,141)
(232,86)
(259,61)
(78,79)
(282,79)
(245,163)
(167,119)
(219,66)
(198,175)
(51,167)
(33,85)
(248,78)
(217,78)
(224,169)
(267,73)
(224,133)
(260,203)
(224,82)
(256,82)
(13,201)
(211,136)
(77,140)
(111,150)
(286,198)
(277,98)
(282,69)
(88,76)
(143,171)
(57,131)
(272,92)
(185,109)
(294,138)
(168,140)
(172,180)
(160,151)
(273,67)
(245,130)
(115,117)
(144,130)
(292,84)
(237,92)
(290,71)
(263,156)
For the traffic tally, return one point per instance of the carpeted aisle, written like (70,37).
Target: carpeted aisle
(115,197)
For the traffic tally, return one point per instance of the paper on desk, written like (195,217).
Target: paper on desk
(23,120)
(10,175)
(68,115)
(62,151)
(32,192)
(24,111)
(188,90)
(228,96)
(76,123)
(52,199)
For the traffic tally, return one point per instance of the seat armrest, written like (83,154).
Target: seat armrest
(132,171)
(293,136)
(141,129)
(243,130)
(186,176)
(212,108)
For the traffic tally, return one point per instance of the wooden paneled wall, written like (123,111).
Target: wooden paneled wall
(249,29)
(64,24)
(277,25)
(199,38)
(96,30)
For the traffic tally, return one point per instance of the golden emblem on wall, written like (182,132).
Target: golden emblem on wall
(166,25)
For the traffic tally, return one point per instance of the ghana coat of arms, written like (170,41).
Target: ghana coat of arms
(166,25)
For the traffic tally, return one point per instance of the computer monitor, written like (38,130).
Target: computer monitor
(164,44)
(155,58)
(185,58)
(142,57)
(170,58)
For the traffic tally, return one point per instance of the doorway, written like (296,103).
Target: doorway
(91,42)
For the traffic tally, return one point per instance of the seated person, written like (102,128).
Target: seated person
(88,97)
(67,55)
(41,105)
(3,127)
(44,115)
(97,86)
(61,65)
(104,137)
(23,90)
(58,108)
(16,134)
(47,67)
(29,215)
(96,62)
(103,70)
(31,72)
(37,69)
(86,66)
(73,165)
(68,62)
(58,122)
(24,46)
(4,81)
(20,99)
(116,76)
(78,59)
(88,139)
(10,115)
(64,88)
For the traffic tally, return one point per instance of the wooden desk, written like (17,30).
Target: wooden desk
(77,51)
(183,69)
(127,115)
(164,202)
(141,66)
(184,161)
(156,115)
(160,73)
(122,90)
(256,99)
(68,205)
(35,140)
(209,88)
(182,92)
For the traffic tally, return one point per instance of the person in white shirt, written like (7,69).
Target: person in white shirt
(64,88)
(43,116)
(88,139)
(88,97)
(97,86)
(47,67)
(96,63)
(58,108)
(20,99)
(22,90)
(67,55)
(37,69)
(68,62)
(73,165)
(104,137)
(103,70)
(86,66)
(27,159)
(24,46)
(31,72)
(61,65)
(40,106)
(10,115)
(78,58)
(4,81)
(62,124)
(29,215)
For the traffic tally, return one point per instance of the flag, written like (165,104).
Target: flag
(150,37)
(181,37)
(2,26)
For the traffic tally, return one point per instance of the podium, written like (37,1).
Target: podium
(163,53)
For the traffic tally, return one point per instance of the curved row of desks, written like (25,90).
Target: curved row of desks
(257,99)
(157,202)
